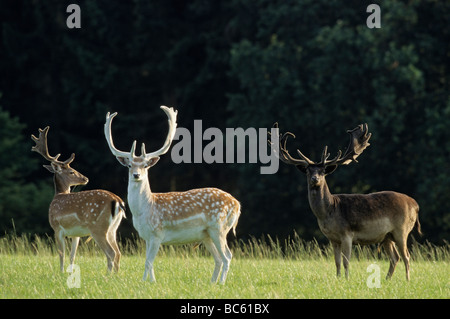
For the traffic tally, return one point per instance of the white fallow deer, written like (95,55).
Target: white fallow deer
(202,215)
(345,219)
(97,213)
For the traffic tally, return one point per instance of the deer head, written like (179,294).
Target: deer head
(65,176)
(316,171)
(139,165)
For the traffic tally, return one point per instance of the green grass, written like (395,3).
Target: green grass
(29,268)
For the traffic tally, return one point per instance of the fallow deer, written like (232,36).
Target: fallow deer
(199,215)
(384,217)
(97,213)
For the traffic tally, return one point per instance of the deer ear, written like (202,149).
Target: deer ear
(152,161)
(301,168)
(124,161)
(53,168)
(330,169)
(49,168)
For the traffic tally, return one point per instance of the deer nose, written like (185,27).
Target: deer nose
(136,175)
(315,179)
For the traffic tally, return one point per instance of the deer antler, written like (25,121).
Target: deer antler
(359,141)
(172,118)
(109,139)
(42,148)
(284,153)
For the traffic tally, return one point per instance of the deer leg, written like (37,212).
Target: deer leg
(217,260)
(111,237)
(346,246)
(152,247)
(61,246)
(337,257)
(393,255)
(102,241)
(112,234)
(227,250)
(401,243)
(73,251)
(221,245)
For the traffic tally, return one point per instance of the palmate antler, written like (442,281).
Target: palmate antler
(359,141)
(42,148)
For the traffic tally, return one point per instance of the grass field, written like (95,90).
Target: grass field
(262,269)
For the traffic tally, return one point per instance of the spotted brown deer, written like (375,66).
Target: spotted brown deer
(345,219)
(203,215)
(97,213)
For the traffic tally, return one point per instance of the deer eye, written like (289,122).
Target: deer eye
(72,172)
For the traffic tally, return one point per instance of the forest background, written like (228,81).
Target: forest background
(313,66)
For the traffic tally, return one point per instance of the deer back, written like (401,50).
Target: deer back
(83,209)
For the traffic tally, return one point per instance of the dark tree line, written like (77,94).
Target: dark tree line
(313,66)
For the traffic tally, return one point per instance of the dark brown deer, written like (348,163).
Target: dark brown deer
(97,213)
(345,219)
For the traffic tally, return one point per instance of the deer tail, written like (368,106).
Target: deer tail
(417,223)
(236,218)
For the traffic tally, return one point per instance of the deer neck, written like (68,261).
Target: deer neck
(321,200)
(60,186)
(140,196)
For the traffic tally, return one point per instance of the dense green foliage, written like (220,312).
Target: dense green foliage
(22,202)
(311,65)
